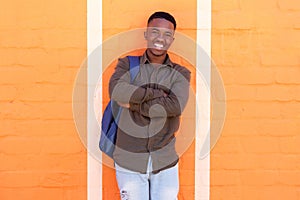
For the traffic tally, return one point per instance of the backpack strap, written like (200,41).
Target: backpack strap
(134,66)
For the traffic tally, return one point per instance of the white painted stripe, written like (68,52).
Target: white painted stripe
(94,39)
(202,166)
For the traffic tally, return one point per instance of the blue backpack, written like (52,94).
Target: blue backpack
(109,124)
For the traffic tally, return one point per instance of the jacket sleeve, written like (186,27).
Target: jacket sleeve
(170,105)
(121,90)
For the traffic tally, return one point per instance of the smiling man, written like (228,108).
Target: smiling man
(145,158)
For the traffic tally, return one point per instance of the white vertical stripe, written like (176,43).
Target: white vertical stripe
(94,39)
(202,166)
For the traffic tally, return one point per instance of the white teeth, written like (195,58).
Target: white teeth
(158,45)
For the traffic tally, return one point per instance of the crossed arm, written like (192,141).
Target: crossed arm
(144,99)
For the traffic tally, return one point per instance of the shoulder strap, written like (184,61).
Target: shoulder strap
(134,64)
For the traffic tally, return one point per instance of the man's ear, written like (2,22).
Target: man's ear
(145,35)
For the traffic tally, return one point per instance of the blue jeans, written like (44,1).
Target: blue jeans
(136,186)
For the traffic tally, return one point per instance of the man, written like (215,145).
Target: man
(145,158)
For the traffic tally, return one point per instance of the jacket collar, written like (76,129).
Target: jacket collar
(167,62)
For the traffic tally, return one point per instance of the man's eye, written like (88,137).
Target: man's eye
(154,32)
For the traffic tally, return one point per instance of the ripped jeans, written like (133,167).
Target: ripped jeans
(136,186)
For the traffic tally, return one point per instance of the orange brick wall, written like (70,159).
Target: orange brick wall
(255,45)
(42,44)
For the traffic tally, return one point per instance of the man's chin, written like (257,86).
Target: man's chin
(158,52)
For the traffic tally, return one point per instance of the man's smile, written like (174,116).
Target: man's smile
(158,45)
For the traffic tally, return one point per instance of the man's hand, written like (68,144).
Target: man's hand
(124,105)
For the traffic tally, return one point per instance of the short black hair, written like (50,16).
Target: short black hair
(163,15)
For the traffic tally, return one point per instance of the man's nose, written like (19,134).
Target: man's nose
(160,37)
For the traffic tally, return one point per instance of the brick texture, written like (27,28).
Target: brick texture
(255,45)
(42,45)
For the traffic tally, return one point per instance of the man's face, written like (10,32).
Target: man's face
(159,36)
